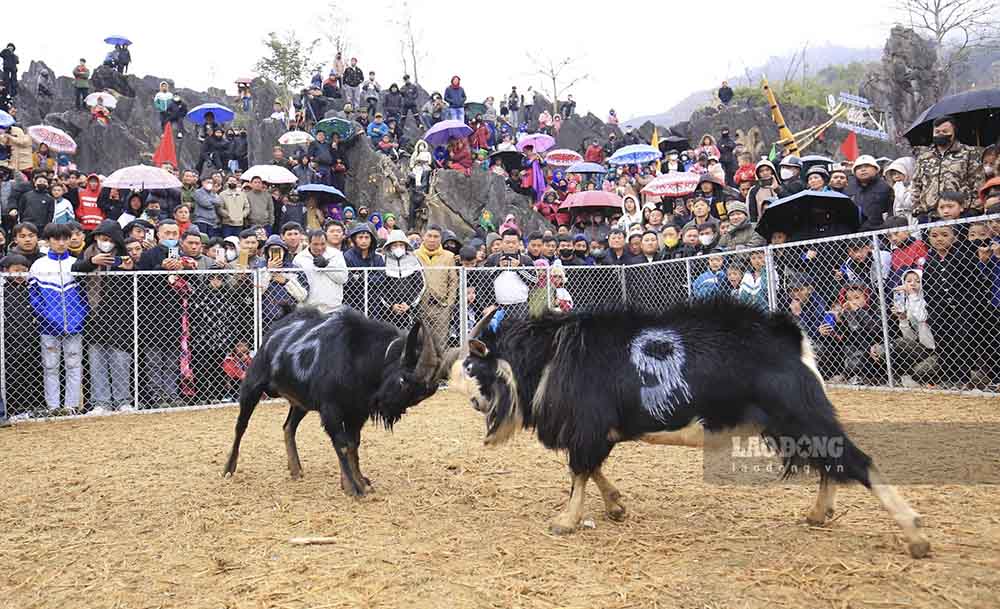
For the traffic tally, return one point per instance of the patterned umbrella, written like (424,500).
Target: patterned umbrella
(441,132)
(141,177)
(55,139)
(586,167)
(563,157)
(341,126)
(106,99)
(538,141)
(591,198)
(294,138)
(636,154)
(272,174)
(222,114)
(673,184)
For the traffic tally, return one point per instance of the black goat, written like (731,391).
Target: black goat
(347,367)
(684,376)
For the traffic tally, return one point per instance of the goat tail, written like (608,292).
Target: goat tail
(803,429)
(286,307)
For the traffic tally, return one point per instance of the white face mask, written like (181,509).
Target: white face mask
(231,254)
(398,251)
(105,246)
(787,173)
(706,240)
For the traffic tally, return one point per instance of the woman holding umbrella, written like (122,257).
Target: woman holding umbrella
(533,164)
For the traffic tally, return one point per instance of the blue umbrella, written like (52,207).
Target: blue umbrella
(6,120)
(585,167)
(222,113)
(116,40)
(330,190)
(439,134)
(636,154)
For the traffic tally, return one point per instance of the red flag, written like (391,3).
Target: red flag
(165,152)
(849,148)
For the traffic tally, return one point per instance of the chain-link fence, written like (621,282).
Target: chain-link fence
(911,307)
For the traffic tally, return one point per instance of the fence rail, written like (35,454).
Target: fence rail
(881,308)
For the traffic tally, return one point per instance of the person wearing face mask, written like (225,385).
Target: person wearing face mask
(36,206)
(207,205)
(325,272)
(948,165)
(872,195)
(897,175)
(790,170)
(403,285)
(109,332)
(673,164)
(234,208)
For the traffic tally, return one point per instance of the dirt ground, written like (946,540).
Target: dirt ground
(130,512)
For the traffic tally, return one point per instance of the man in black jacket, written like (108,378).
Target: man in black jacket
(36,206)
(176,111)
(392,103)
(870,192)
(353,77)
(409,91)
(725,93)
(727,145)
(512,285)
(10,62)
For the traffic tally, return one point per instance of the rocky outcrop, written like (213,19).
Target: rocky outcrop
(908,80)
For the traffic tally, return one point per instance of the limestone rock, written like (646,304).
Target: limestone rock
(104,78)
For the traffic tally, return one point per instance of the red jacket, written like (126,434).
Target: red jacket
(480,138)
(460,155)
(235,367)
(594,154)
(744,173)
(910,256)
(88,214)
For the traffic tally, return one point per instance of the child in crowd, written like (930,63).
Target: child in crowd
(753,286)
(848,333)
(713,281)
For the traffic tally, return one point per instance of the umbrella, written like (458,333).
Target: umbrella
(6,120)
(674,142)
(244,80)
(809,208)
(440,133)
(293,138)
(141,177)
(272,174)
(510,159)
(321,188)
(636,154)
(816,159)
(591,198)
(538,141)
(585,167)
(673,184)
(474,108)
(336,125)
(116,40)
(222,114)
(563,157)
(977,112)
(106,99)
(55,139)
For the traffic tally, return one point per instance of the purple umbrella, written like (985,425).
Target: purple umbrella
(439,134)
(538,141)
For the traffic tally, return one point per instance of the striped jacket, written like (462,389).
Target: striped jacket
(59,304)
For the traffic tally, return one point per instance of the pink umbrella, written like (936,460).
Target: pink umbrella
(56,139)
(591,198)
(563,157)
(141,177)
(538,141)
(673,184)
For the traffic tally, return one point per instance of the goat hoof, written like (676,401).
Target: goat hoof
(561,528)
(919,548)
(617,513)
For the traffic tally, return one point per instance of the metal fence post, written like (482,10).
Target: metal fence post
(772,279)
(463,308)
(135,340)
(688,281)
(624,285)
(548,287)
(256,276)
(365,279)
(883,309)
(3,346)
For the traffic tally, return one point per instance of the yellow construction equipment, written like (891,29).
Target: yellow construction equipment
(786,135)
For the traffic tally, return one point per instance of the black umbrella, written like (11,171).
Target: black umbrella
(977,112)
(809,212)
(674,142)
(815,159)
(510,159)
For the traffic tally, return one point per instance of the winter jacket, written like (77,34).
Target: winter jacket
(261,208)
(753,289)
(742,235)
(455,96)
(709,284)
(403,284)
(10,60)
(376,131)
(442,285)
(326,286)
(392,103)
(81,77)
(206,207)
(902,202)
(36,207)
(109,294)
(409,92)
(59,304)
(353,76)
(594,154)
(234,207)
(371,90)
(873,199)
(20,149)
(321,153)
(910,254)
(959,169)
(354,292)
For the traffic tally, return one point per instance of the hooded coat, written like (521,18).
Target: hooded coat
(902,202)
(403,284)
(108,295)
(88,213)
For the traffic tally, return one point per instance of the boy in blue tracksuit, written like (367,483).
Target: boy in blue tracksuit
(712,282)
(60,308)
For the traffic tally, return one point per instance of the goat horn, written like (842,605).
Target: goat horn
(485,321)
(427,363)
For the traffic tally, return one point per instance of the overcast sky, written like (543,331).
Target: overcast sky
(641,57)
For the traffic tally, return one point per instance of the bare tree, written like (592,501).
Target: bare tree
(335,23)
(411,37)
(561,74)
(957,27)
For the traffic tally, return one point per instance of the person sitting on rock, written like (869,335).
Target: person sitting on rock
(100,113)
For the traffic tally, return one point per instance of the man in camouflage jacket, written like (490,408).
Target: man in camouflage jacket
(947,165)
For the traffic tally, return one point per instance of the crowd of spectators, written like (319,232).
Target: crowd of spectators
(74,243)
